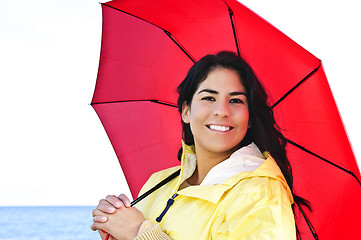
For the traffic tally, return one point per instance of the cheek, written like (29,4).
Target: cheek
(243,118)
(198,113)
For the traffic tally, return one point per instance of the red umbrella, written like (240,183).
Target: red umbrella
(147,48)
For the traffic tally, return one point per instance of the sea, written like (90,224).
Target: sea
(46,223)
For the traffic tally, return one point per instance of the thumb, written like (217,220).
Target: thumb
(124,199)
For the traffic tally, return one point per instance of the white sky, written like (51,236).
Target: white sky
(53,148)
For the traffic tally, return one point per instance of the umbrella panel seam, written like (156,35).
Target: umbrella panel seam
(144,100)
(324,159)
(165,31)
(297,85)
(104,4)
(179,45)
(231,15)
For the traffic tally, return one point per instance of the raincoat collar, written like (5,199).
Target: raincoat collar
(213,192)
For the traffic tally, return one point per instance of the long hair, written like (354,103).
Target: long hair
(263,131)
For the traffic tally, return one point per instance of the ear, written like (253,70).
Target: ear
(185,112)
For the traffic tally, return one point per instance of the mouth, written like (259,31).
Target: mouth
(219,128)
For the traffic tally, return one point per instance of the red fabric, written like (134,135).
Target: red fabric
(142,138)
(138,61)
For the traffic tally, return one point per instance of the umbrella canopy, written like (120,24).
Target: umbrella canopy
(148,47)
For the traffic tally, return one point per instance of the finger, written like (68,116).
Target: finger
(124,199)
(113,200)
(92,227)
(97,212)
(97,226)
(100,219)
(106,207)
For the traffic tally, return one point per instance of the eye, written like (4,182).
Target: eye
(236,100)
(208,98)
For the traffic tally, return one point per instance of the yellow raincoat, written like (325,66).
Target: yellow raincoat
(249,205)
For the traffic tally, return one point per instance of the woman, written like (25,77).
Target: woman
(235,181)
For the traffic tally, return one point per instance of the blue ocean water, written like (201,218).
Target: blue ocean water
(46,223)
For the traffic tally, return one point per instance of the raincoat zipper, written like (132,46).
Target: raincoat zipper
(169,204)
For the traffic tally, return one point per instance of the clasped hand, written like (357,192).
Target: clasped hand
(115,216)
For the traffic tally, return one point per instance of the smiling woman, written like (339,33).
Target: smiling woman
(235,179)
(218,117)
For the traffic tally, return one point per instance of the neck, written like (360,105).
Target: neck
(205,162)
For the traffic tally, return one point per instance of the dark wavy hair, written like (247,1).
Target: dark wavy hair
(263,131)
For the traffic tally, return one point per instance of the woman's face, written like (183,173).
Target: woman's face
(218,114)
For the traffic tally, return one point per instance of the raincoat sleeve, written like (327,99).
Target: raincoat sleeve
(265,214)
(148,231)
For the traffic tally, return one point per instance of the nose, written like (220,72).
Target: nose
(222,109)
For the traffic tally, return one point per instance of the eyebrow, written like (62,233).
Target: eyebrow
(216,92)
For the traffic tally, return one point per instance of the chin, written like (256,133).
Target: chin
(226,148)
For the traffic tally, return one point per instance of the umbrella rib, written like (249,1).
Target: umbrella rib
(180,46)
(324,159)
(131,15)
(144,100)
(297,85)
(231,15)
(166,32)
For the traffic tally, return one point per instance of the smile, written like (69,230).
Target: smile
(219,128)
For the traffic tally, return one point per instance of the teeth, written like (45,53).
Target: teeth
(219,128)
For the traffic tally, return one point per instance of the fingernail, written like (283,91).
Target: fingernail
(111,209)
(103,219)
